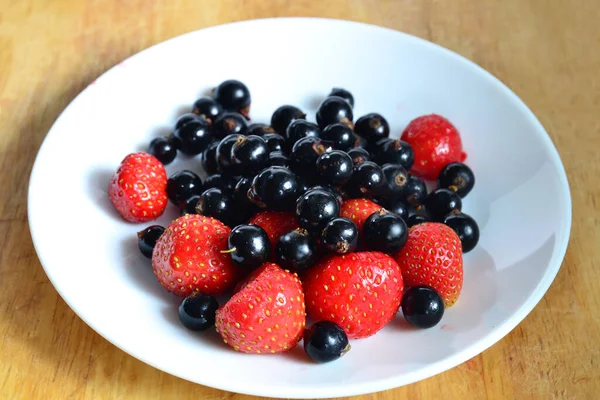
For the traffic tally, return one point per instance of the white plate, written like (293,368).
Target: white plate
(521,199)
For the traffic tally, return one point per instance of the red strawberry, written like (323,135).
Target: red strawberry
(361,292)
(138,188)
(275,224)
(435,142)
(432,256)
(187,257)
(267,315)
(358,210)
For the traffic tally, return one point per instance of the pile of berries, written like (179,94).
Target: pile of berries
(331,219)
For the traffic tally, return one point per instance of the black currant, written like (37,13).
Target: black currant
(367,180)
(147,239)
(275,188)
(340,236)
(305,153)
(185,118)
(457,177)
(209,159)
(188,206)
(197,312)
(223,182)
(250,154)
(315,209)
(207,108)
(333,110)
(395,152)
(181,185)
(465,227)
(372,127)
(422,306)
(260,129)
(217,204)
(224,161)
(359,155)
(343,93)
(325,341)
(442,202)
(398,207)
(249,246)
(284,116)
(296,250)
(385,231)
(336,191)
(300,129)
(341,137)
(277,158)
(334,167)
(275,142)
(163,150)
(415,190)
(195,136)
(229,123)
(417,214)
(233,95)
(396,179)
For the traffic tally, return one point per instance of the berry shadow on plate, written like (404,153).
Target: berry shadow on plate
(210,337)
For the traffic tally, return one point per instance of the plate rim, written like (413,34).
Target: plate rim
(376,385)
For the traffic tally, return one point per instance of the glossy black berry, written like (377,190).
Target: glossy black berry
(372,127)
(341,137)
(385,231)
(422,306)
(275,142)
(248,246)
(441,202)
(240,192)
(367,180)
(315,209)
(275,188)
(229,123)
(233,95)
(224,161)
(185,118)
(457,177)
(197,312)
(260,129)
(395,152)
(333,110)
(343,93)
(305,153)
(466,228)
(277,158)
(296,250)
(217,204)
(359,155)
(147,239)
(398,207)
(208,108)
(374,148)
(336,191)
(209,159)
(300,129)
(223,182)
(250,154)
(334,167)
(284,116)
(340,236)
(188,206)
(182,185)
(417,215)
(325,341)
(195,136)
(163,150)
(396,179)
(415,191)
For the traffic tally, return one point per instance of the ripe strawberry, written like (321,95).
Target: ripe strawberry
(267,315)
(275,224)
(432,256)
(187,257)
(138,188)
(358,210)
(435,142)
(361,292)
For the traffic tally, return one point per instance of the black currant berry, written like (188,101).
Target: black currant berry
(275,142)
(442,202)
(233,95)
(395,152)
(340,236)
(163,150)
(182,185)
(398,207)
(341,137)
(359,155)
(422,306)
(278,159)
(372,127)
(367,180)
(315,209)
(466,228)
(300,129)
(284,116)
(207,108)
(275,188)
(417,215)
(223,182)
(250,154)
(333,110)
(260,129)
(385,231)
(209,159)
(195,136)
(248,246)
(305,153)
(185,118)
(343,93)
(415,190)
(147,239)
(229,123)
(396,179)
(197,312)
(188,206)
(224,161)
(334,168)
(457,177)
(217,204)
(325,341)
(296,250)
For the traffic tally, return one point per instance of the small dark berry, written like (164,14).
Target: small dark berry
(250,154)
(223,182)
(305,153)
(163,150)
(457,177)
(188,206)
(343,93)
(325,341)
(197,312)
(195,136)
(260,129)
(207,108)
(249,246)
(359,155)
(442,202)
(422,306)
(233,95)
(415,191)
(217,204)
(315,209)
(275,188)
(395,152)
(372,127)
(334,168)
(300,129)
(341,137)
(147,239)
(466,228)
(284,116)
(209,159)
(182,185)
(229,123)
(340,236)
(367,180)
(396,179)
(296,250)
(398,207)
(385,231)
(277,158)
(224,161)
(333,110)
(275,142)
(185,118)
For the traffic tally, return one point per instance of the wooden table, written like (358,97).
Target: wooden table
(548,52)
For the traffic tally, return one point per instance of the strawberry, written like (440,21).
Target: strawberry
(358,210)
(361,292)
(187,257)
(267,315)
(432,256)
(435,142)
(275,224)
(138,188)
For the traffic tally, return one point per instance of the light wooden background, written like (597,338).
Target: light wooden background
(547,51)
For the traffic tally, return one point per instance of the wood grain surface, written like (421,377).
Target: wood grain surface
(547,51)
